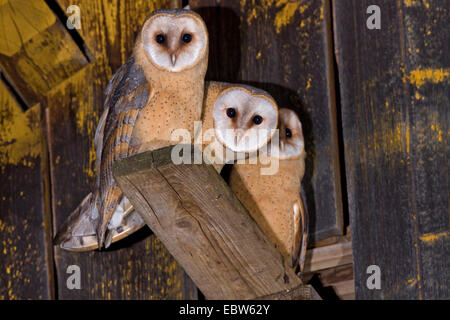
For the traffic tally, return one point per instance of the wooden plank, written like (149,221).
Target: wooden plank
(204,226)
(336,274)
(334,283)
(299,293)
(36,51)
(329,256)
(25,230)
(345,290)
(137,268)
(395,112)
(284,47)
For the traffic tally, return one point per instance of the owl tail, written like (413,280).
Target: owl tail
(78,231)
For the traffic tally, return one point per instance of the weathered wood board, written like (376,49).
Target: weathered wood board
(36,51)
(26,267)
(285,47)
(108,28)
(139,269)
(394,85)
(205,227)
(329,256)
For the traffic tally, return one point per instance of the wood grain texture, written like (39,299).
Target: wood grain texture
(109,28)
(25,231)
(328,256)
(36,51)
(284,47)
(336,274)
(140,267)
(205,227)
(300,293)
(339,279)
(394,85)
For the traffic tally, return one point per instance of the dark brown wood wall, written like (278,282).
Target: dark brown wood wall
(394,86)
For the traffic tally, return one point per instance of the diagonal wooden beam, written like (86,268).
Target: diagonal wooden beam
(205,227)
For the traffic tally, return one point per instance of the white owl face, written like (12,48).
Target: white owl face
(175,40)
(290,144)
(244,121)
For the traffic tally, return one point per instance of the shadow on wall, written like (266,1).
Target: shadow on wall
(225,43)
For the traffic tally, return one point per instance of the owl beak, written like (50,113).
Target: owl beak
(238,136)
(282,145)
(174,59)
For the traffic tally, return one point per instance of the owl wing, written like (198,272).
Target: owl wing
(300,229)
(127,93)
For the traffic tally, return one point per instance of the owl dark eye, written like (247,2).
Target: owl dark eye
(257,119)
(288,133)
(186,38)
(231,113)
(160,38)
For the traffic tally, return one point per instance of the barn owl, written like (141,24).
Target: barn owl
(246,103)
(274,201)
(236,120)
(158,90)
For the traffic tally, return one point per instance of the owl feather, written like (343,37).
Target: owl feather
(145,83)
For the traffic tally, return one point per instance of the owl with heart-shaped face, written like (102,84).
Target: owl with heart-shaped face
(158,90)
(275,201)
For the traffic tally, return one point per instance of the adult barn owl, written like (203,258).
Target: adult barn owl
(240,109)
(274,201)
(236,120)
(158,90)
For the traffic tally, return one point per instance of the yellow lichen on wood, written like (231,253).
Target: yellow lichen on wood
(19,131)
(415,3)
(21,21)
(411,282)
(308,84)
(51,57)
(38,51)
(440,133)
(285,15)
(419,77)
(395,140)
(432,237)
(251,16)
